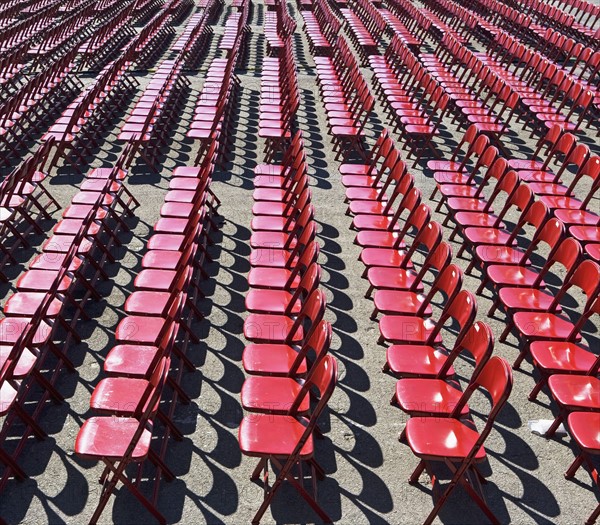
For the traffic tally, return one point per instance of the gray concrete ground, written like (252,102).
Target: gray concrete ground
(367,468)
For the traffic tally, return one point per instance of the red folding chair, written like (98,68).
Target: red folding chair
(583,429)
(429,389)
(456,443)
(405,331)
(286,360)
(121,441)
(286,441)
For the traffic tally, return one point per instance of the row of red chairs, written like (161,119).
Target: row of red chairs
(347,98)
(410,16)
(507,49)
(551,338)
(68,32)
(287,359)
(47,300)
(154,37)
(415,101)
(278,27)
(22,114)
(550,15)
(410,36)
(582,10)
(366,37)
(321,28)
(109,37)
(569,203)
(279,100)
(26,31)
(148,123)
(194,38)
(235,25)
(152,342)
(145,10)
(419,354)
(585,66)
(77,131)
(23,201)
(215,105)
(374,22)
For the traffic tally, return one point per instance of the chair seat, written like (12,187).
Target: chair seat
(407,329)
(374,222)
(118,395)
(381,239)
(467,204)
(446,178)
(582,217)
(529,299)
(478,235)
(142,302)
(543,325)
(575,391)
(393,278)
(271,301)
(509,275)
(161,259)
(500,254)
(584,426)
(271,359)
(130,360)
(25,363)
(273,435)
(271,328)
(42,280)
(268,223)
(399,302)
(441,438)
(166,241)
(273,257)
(585,234)
(272,240)
(273,278)
(428,396)
(11,329)
(25,304)
(109,437)
(368,207)
(272,394)
(561,357)
(383,257)
(139,329)
(416,360)
(277,209)
(354,169)
(156,280)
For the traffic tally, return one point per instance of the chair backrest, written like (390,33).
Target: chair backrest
(448,282)
(495,378)
(311,314)
(462,309)
(150,398)
(535,215)
(307,235)
(308,256)
(324,380)
(479,342)
(586,277)
(550,232)
(563,146)
(567,253)
(318,343)
(309,282)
